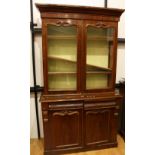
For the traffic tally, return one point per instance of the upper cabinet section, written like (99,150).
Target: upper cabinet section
(79,48)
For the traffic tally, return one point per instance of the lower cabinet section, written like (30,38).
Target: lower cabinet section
(73,126)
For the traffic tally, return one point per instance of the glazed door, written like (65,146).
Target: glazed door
(100,51)
(62,55)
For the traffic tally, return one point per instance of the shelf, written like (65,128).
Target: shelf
(99,67)
(74,37)
(65,89)
(100,38)
(62,73)
(96,72)
(73,73)
(61,37)
(87,65)
(61,59)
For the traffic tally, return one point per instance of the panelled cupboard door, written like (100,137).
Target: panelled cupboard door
(99,126)
(62,48)
(100,50)
(64,129)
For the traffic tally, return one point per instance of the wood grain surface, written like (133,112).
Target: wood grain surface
(36,148)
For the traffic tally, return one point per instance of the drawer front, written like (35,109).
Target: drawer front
(61,105)
(99,105)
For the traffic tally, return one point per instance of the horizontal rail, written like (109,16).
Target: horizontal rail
(39,31)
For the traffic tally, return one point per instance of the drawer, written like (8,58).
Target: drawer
(62,105)
(99,105)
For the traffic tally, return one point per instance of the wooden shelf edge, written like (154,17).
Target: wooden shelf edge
(61,73)
(61,59)
(70,37)
(72,73)
(65,89)
(62,37)
(102,72)
(88,65)
(98,67)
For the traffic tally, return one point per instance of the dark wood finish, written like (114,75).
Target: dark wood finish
(79,120)
(70,124)
(100,132)
(44,8)
(39,31)
(121,125)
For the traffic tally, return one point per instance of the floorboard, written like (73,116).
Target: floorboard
(36,148)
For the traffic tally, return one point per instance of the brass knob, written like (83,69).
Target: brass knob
(50,106)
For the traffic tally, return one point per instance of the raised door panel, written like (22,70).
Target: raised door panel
(97,126)
(64,129)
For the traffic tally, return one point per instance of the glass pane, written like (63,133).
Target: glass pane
(98,59)
(96,81)
(60,82)
(62,58)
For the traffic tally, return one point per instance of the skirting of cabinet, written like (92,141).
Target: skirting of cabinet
(80,149)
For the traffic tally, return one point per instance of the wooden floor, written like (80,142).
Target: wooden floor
(36,148)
